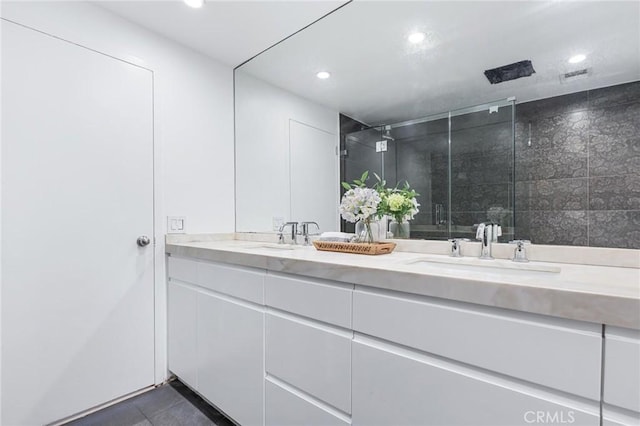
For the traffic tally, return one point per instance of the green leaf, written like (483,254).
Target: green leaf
(365,175)
(346,186)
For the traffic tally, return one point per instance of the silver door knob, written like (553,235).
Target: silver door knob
(143,241)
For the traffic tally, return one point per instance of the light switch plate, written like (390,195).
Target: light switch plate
(176,224)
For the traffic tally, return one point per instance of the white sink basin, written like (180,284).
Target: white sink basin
(480,265)
(271,246)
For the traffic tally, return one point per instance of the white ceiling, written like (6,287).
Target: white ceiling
(378,77)
(229,31)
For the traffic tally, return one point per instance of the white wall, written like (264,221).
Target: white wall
(263,115)
(193,122)
(193,105)
(1,171)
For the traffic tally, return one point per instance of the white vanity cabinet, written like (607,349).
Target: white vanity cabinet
(276,349)
(621,393)
(230,369)
(307,351)
(182,332)
(423,361)
(216,326)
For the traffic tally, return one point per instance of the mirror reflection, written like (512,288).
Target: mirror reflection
(557,163)
(461,164)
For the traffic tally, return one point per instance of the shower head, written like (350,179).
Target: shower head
(387,134)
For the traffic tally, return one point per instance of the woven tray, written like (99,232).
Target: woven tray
(357,248)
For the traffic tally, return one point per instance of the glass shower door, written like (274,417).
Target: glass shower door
(360,155)
(421,158)
(481,174)
(460,162)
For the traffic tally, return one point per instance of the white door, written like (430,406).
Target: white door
(77,182)
(313,164)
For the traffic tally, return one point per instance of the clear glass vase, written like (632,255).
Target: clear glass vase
(368,231)
(400,230)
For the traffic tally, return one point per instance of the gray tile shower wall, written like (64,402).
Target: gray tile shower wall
(578,181)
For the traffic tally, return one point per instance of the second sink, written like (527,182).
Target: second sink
(474,264)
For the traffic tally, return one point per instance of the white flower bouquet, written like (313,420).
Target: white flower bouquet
(360,204)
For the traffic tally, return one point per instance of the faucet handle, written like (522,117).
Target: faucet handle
(519,254)
(455,246)
(281,234)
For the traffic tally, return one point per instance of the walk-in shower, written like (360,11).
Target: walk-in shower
(461,162)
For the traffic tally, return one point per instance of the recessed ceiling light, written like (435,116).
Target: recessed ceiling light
(577,58)
(196,4)
(416,37)
(323,75)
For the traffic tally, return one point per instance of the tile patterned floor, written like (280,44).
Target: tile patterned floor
(172,404)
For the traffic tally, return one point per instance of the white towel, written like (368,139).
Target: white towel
(336,236)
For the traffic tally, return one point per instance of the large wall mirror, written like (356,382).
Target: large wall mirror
(553,156)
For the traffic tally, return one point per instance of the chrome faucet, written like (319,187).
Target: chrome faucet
(488,233)
(305,231)
(294,232)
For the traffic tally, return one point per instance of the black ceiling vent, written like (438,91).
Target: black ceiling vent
(509,72)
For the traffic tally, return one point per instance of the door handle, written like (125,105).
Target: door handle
(143,241)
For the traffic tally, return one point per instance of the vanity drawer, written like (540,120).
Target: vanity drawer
(283,408)
(622,368)
(240,282)
(243,283)
(309,357)
(560,354)
(182,269)
(326,302)
(394,386)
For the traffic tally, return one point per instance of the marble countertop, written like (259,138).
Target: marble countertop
(601,294)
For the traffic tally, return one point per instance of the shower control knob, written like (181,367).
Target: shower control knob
(143,241)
